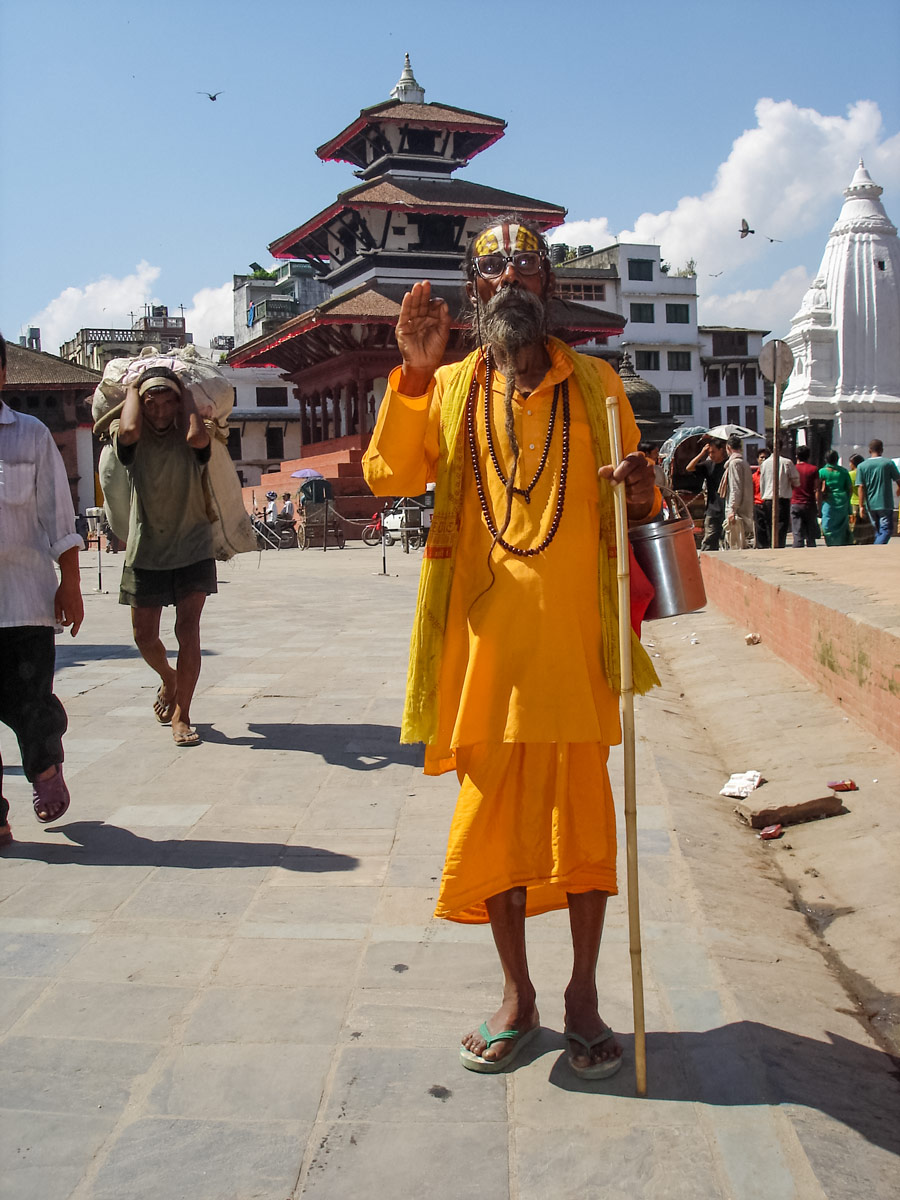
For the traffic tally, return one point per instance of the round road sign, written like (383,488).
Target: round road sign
(776,361)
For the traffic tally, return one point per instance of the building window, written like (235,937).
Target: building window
(732,383)
(234,444)
(734,414)
(713,383)
(275,444)
(679,360)
(567,290)
(728,342)
(640,268)
(271,397)
(715,415)
(642,314)
(646,360)
(751,417)
(678,314)
(681,404)
(749,381)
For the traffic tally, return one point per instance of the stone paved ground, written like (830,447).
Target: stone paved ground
(221,978)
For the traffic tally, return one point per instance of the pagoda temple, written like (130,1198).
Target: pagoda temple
(845,387)
(407,219)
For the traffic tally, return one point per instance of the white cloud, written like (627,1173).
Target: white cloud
(759,308)
(211,312)
(593,232)
(106,302)
(111,303)
(785,176)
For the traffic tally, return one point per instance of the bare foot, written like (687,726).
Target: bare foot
(510,1015)
(583,1017)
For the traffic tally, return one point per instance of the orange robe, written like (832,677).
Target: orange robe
(525,713)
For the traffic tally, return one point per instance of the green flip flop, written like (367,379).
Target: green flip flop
(599,1070)
(489,1066)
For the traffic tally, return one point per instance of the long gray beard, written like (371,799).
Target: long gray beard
(513,319)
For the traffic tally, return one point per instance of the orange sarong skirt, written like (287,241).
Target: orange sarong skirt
(537,815)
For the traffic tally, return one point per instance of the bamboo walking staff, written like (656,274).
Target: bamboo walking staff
(623,577)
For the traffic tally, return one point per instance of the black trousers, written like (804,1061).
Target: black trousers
(761,514)
(27,703)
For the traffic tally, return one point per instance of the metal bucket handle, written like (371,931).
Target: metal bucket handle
(668,495)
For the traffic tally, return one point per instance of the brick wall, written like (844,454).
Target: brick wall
(855,663)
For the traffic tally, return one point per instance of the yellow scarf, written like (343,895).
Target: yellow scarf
(420,715)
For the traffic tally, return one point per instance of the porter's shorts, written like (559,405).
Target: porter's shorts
(144,588)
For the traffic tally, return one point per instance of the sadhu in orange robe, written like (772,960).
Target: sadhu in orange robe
(525,714)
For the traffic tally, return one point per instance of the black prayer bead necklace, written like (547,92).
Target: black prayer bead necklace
(525,492)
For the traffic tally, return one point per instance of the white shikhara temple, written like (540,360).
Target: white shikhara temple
(845,387)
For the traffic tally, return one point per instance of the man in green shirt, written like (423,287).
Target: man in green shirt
(876,478)
(163,444)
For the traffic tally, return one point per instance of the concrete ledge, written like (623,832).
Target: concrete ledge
(832,613)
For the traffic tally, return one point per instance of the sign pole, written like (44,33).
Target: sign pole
(776,361)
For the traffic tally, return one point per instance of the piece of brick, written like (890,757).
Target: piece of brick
(787,804)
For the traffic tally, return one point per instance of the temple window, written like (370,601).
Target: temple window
(734,414)
(732,382)
(435,232)
(751,417)
(420,141)
(713,383)
(681,404)
(646,360)
(750,381)
(715,415)
(234,444)
(275,443)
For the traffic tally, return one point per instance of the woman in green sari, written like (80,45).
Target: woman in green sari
(835,491)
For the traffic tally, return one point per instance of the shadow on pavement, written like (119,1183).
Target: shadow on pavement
(746,1064)
(71,654)
(356,747)
(109,845)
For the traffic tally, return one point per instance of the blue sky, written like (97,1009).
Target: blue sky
(112,159)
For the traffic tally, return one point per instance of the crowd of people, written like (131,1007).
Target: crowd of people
(827,502)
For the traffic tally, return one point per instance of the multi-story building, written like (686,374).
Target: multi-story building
(733,387)
(661,335)
(263,303)
(264,425)
(94,347)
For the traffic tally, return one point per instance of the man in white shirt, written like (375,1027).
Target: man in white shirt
(788,478)
(37,528)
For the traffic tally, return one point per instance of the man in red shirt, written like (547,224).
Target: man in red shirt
(804,503)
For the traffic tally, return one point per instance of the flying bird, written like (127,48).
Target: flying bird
(745,230)
(715,275)
(212,95)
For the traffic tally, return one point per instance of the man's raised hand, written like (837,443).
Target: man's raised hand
(423,330)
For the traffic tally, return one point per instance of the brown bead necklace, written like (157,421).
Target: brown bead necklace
(525,492)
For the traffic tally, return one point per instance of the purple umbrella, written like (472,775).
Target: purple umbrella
(307,473)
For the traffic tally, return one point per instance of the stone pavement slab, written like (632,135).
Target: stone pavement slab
(220,977)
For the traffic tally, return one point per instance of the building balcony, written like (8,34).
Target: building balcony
(273,311)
